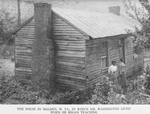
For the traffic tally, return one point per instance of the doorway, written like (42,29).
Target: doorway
(121,50)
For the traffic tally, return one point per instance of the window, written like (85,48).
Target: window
(104,48)
(104,55)
(104,61)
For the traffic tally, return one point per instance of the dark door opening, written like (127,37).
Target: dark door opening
(121,50)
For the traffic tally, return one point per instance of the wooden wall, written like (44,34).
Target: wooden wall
(113,51)
(132,65)
(93,58)
(23,49)
(129,56)
(77,59)
(69,54)
(93,61)
(69,47)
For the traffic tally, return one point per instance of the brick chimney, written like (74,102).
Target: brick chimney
(115,10)
(43,50)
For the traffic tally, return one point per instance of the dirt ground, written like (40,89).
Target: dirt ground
(7,66)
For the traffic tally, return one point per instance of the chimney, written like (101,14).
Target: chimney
(43,50)
(115,10)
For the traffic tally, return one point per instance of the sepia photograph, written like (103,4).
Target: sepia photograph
(83,52)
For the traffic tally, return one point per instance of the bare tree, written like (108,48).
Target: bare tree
(19,12)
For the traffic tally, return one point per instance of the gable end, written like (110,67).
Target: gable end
(63,19)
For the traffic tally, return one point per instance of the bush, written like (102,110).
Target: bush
(7,25)
(147,79)
(100,94)
(13,91)
(74,97)
(17,93)
(108,93)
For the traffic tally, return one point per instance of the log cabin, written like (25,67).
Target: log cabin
(73,48)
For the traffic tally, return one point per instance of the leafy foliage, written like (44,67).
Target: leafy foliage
(103,93)
(13,92)
(141,13)
(137,92)
(7,24)
(147,80)
(75,97)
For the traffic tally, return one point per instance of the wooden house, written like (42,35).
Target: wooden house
(83,45)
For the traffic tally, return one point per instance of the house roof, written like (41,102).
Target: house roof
(93,23)
(98,24)
(22,25)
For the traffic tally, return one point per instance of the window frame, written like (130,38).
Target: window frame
(104,57)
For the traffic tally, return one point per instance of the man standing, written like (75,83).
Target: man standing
(122,76)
